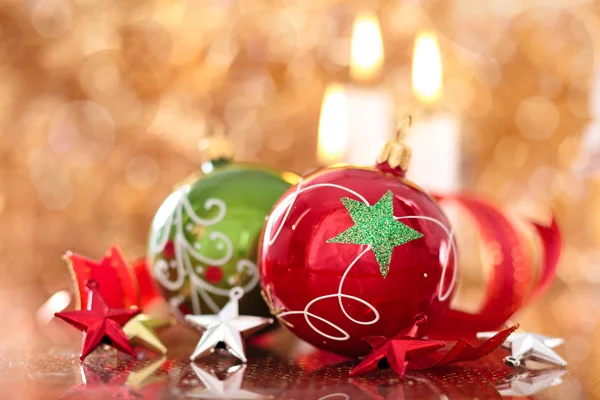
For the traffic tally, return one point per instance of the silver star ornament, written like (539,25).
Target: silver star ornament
(226,327)
(531,382)
(524,345)
(229,388)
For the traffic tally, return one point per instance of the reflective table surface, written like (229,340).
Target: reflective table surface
(281,366)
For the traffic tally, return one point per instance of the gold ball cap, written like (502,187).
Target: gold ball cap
(394,152)
(214,145)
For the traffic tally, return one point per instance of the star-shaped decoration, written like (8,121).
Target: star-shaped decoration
(524,345)
(397,352)
(229,388)
(531,382)
(227,327)
(113,274)
(198,231)
(100,380)
(376,226)
(100,323)
(140,330)
(146,380)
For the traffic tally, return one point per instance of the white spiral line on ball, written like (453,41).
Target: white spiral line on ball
(184,252)
(450,233)
(285,208)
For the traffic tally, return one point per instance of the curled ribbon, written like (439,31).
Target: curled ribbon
(511,284)
(122,284)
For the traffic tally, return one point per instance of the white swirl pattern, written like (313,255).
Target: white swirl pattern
(284,208)
(185,252)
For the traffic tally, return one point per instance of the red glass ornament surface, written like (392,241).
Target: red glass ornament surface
(301,272)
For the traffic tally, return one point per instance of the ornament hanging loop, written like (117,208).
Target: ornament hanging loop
(512,361)
(420,319)
(214,144)
(395,153)
(92,284)
(403,127)
(236,293)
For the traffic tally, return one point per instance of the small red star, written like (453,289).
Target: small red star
(100,323)
(397,352)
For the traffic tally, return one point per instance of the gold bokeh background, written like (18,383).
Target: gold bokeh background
(102,104)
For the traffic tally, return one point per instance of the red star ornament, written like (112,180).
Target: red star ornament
(100,323)
(113,274)
(397,352)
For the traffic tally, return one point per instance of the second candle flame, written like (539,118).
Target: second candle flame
(427,81)
(366,53)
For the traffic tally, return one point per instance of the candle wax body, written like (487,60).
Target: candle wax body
(435,145)
(370,123)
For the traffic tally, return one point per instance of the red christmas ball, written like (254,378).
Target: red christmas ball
(353,252)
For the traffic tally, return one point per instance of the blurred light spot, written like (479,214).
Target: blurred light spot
(550,85)
(578,104)
(537,118)
(577,349)
(280,141)
(81,133)
(142,172)
(575,190)
(338,51)
(588,323)
(51,179)
(488,73)
(240,112)
(282,41)
(99,77)
(511,152)
(404,18)
(2,202)
(246,142)
(568,150)
(461,93)
(592,271)
(56,303)
(541,182)
(51,18)
(481,103)
(221,53)
(259,87)
(154,37)
(506,51)
(170,13)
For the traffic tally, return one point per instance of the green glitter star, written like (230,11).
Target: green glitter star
(375,226)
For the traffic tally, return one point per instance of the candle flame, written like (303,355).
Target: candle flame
(333,126)
(367,47)
(427,82)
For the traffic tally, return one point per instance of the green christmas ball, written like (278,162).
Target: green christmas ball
(204,238)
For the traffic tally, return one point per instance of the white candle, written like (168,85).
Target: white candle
(370,123)
(435,137)
(435,160)
(370,108)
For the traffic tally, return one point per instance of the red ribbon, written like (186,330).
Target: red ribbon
(121,285)
(511,284)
